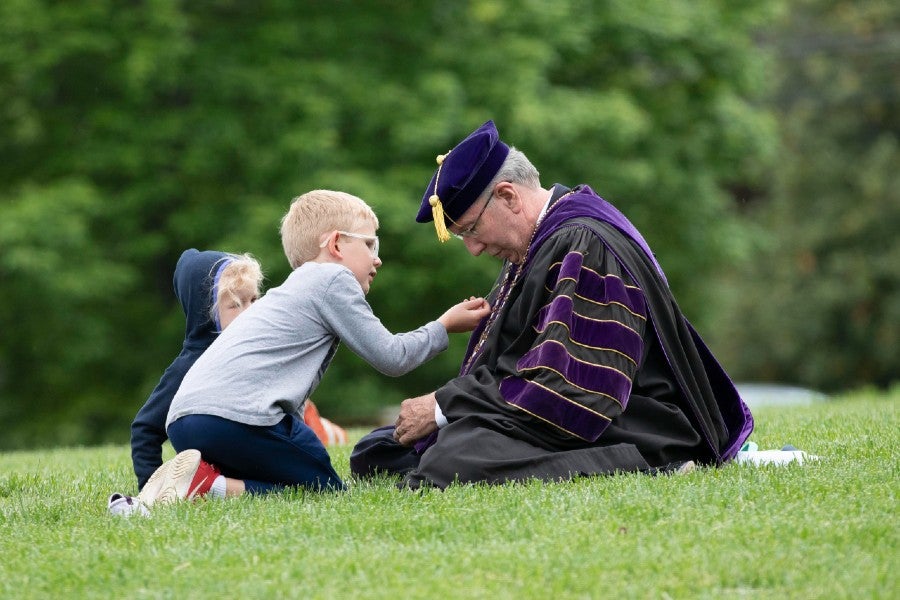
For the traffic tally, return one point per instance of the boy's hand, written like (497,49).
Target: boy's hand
(466,315)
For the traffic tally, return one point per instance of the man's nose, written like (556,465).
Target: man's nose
(473,246)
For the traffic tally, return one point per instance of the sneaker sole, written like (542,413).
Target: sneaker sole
(687,467)
(153,486)
(178,477)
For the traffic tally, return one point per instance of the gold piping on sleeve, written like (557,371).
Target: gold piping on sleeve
(563,377)
(589,270)
(580,345)
(581,406)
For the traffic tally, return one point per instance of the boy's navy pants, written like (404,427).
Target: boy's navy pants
(265,458)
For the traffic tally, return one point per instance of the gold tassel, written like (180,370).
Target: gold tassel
(437,212)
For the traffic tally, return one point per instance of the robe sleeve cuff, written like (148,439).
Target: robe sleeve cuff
(439,417)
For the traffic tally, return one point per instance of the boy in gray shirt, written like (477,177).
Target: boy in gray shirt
(239,406)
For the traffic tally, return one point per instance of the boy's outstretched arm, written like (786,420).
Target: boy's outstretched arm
(465,316)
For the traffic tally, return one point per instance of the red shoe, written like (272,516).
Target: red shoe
(187,477)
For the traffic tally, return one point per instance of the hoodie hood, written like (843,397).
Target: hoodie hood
(194,280)
(195,276)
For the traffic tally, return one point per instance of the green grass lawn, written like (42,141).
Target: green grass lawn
(826,529)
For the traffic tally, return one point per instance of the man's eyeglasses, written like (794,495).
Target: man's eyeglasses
(470,231)
(370,240)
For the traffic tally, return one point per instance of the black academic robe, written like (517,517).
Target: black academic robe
(587,368)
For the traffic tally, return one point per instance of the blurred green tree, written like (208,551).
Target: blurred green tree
(130,132)
(819,304)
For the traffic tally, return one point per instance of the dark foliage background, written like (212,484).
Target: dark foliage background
(754,144)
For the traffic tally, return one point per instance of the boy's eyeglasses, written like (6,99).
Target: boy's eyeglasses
(470,230)
(371,241)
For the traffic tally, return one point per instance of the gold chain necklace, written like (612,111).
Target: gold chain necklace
(506,287)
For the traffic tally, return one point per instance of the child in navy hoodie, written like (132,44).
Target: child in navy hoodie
(213,288)
(197,278)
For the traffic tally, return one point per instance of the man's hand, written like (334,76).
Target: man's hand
(416,419)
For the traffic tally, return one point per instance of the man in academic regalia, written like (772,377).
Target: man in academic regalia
(585,365)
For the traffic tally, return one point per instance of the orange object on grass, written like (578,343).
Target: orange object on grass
(329,433)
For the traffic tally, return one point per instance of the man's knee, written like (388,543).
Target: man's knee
(378,452)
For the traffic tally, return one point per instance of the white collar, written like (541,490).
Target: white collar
(546,207)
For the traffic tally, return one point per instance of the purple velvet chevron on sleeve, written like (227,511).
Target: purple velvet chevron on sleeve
(577,375)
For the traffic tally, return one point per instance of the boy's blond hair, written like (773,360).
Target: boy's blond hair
(242,272)
(318,212)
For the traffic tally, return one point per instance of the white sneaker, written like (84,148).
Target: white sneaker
(125,506)
(687,466)
(773,457)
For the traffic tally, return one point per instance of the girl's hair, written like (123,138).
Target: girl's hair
(318,212)
(234,273)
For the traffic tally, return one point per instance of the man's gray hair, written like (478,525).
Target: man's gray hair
(516,169)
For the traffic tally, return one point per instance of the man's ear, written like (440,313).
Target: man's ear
(508,195)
